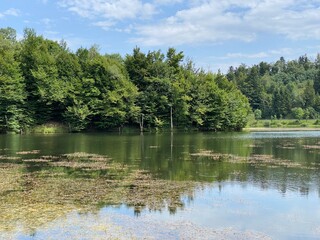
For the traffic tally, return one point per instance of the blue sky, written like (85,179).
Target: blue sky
(214,34)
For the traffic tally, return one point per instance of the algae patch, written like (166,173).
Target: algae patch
(36,191)
(257,160)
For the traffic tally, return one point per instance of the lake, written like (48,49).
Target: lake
(258,185)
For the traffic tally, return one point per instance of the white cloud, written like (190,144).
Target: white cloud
(213,21)
(202,21)
(109,9)
(167,2)
(10,12)
(284,52)
(242,55)
(264,54)
(235,59)
(47,22)
(51,33)
(106,25)
(293,19)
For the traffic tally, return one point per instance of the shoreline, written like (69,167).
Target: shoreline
(279,129)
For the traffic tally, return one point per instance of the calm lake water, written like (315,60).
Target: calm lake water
(251,186)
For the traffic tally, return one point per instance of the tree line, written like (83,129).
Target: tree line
(43,81)
(284,89)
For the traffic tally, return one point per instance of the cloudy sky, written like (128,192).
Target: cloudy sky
(213,33)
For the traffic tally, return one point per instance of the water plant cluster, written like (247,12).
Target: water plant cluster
(259,160)
(35,191)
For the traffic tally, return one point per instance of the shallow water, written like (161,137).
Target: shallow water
(251,186)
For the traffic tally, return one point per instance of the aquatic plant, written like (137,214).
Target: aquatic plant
(79,182)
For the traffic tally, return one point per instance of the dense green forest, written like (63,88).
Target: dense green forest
(284,89)
(42,81)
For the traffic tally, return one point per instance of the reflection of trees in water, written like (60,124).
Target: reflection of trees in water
(273,163)
(286,179)
(34,193)
(30,199)
(297,168)
(168,154)
(265,172)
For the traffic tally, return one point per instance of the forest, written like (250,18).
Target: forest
(281,90)
(43,81)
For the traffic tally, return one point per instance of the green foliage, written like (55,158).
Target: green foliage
(214,108)
(42,81)
(50,128)
(195,98)
(77,116)
(267,124)
(285,123)
(297,113)
(12,94)
(46,90)
(278,87)
(257,114)
(109,94)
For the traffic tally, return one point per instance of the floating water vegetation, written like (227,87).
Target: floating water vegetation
(28,152)
(34,192)
(311,146)
(154,146)
(4,157)
(257,160)
(286,145)
(212,155)
(86,156)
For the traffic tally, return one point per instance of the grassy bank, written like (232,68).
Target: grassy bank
(284,123)
(50,128)
(256,125)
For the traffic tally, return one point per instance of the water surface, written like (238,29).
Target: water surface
(249,186)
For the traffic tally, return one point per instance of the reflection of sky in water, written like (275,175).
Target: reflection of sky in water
(280,202)
(293,134)
(231,211)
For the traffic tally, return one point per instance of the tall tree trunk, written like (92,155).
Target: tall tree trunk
(141,123)
(171,119)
